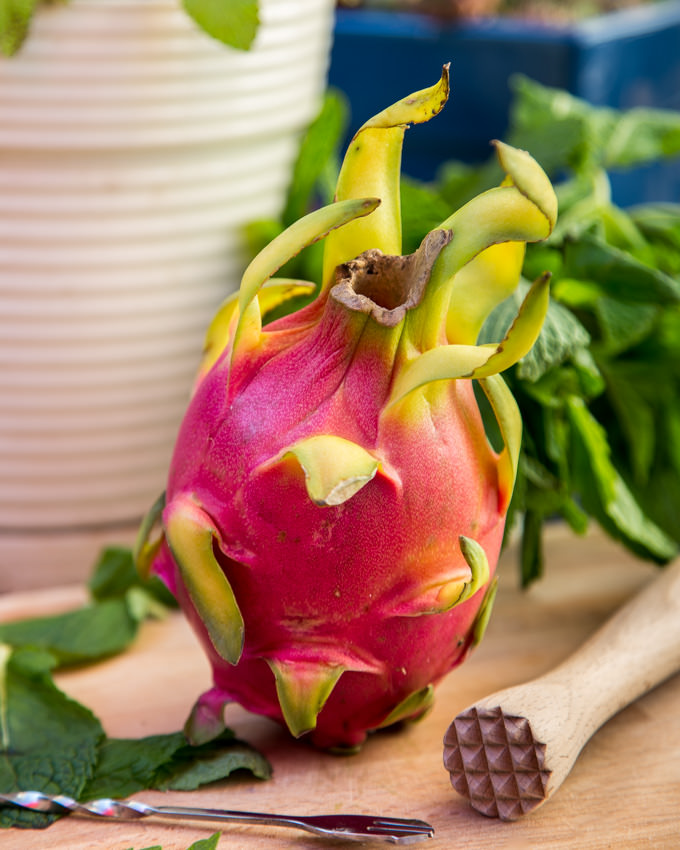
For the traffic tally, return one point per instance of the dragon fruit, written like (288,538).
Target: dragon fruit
(334,508)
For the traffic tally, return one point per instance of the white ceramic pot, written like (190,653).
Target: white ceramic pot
(133,149)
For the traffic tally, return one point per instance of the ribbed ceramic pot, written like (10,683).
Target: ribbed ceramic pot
(133,149)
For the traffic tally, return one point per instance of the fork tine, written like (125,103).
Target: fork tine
(395,830)
(402,822)
(402,828)
(402,832)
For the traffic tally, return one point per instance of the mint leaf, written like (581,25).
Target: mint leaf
(209,843)
(15,19)
(191,767)
(106,626)
(660,225)
(562,130)
(560,337)
(233,22)
(623,325)
(76,637)
(617,273)
(641,136)
(422,209)
(48,742)
(659,222)
(115,574)
(636,418)
(128,765)
(618,325)
(559,129)
(604,492)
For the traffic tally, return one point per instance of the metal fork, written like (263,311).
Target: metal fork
(358,827)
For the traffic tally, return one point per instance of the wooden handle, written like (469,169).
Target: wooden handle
(511,751)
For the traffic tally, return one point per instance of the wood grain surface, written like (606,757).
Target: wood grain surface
(623,792)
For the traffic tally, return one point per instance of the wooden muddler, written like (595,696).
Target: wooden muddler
(511,751)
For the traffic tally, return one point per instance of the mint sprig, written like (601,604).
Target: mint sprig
(48,742)
(125,766)
(598,424)
(51,743)
(106,625)
(77,637)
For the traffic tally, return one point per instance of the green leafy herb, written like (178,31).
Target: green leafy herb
(594,423)
(600,391)
(209,843)
(48,742)
(115,574)
(76,637)
(105,626)
(53,744)
(125,766)
(561,338)
(167,762)
(605,494)
(564,131)
(617,273)
(193,766)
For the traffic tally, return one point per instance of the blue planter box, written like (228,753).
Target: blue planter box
(624,59)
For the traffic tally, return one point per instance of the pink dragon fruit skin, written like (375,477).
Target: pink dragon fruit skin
(334,509)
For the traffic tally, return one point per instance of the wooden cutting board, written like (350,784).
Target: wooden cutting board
(624,791)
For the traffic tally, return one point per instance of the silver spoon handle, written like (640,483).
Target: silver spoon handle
(349,826)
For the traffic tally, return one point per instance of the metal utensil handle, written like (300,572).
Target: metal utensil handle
(396,830)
